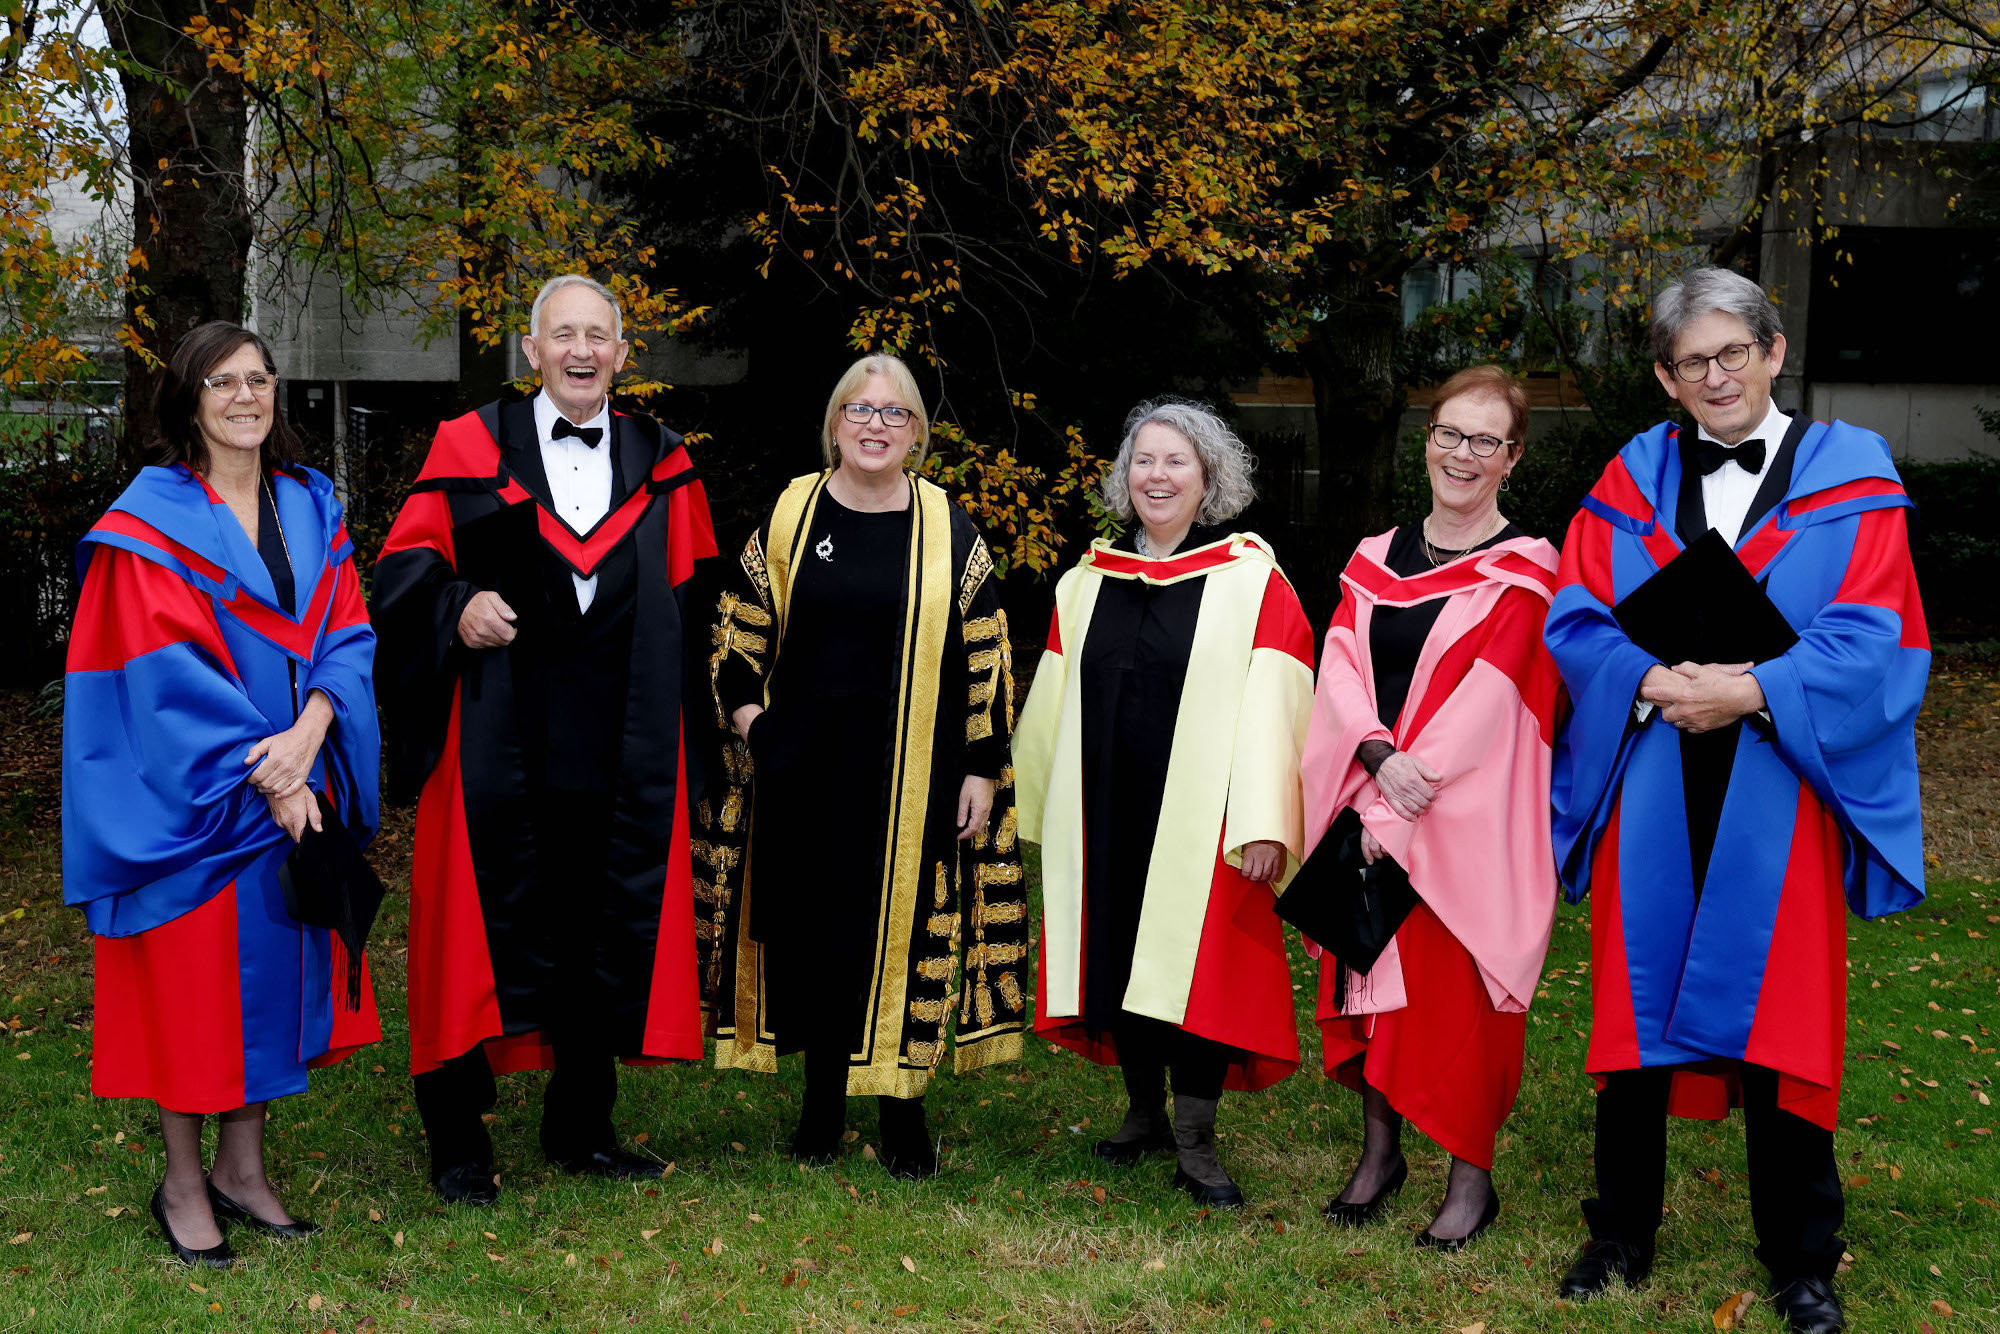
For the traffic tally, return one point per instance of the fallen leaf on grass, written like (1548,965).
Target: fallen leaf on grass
(868,1152)
(648,1233)
(215,1308)
(909,1264)
(496,1258)
(314,1302)
(1941,1306)
(97,1190)
(1479,1327)
(1097,1193)
(641,1137)
(20,1238)
(902,1311)
(843,1249)
(397,1239)
(1154,1266)
(490,1236)
(713,1248)
(1730,1314)
(569,1261)
(196,1287)
(849,1136)
(736,1145)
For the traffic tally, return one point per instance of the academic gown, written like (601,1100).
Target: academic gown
(1162,735)
(840,906)
(1438,1023)
(472,728)
(184,655)
(1746,961)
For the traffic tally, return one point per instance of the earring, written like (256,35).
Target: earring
(1503,480)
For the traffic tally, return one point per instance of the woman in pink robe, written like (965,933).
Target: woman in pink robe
(1432,722)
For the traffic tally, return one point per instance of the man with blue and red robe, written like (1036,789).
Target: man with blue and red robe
(532,606)
(1724,816)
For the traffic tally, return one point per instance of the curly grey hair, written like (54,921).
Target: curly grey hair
(1702,290)
(1226,462)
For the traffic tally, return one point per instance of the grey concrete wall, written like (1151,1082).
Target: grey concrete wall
(1920,421)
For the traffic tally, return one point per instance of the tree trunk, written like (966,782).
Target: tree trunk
(190,206)
(1359,407)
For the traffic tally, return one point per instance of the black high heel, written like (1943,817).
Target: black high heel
(224,1207)
(1356,1213)
(1450,1244)
(218,1256)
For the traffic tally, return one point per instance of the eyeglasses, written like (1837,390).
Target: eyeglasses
(1694,369)
(225,386)
(862,413)
(1447,438)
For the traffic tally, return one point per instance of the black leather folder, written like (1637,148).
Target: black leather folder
(1703,606)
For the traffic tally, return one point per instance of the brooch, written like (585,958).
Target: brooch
(825,548)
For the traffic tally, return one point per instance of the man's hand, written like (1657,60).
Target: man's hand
(486,622)
(975,804)
(1263,860)
(1407,784)
(1700,697)
(743,717)
(295,811)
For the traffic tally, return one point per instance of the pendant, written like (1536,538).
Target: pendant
(825,548)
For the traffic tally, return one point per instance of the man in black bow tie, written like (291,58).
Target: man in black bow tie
(532,606)
(1724,816)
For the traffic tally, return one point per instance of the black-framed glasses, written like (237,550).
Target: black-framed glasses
(226,384)
(862,413)
(1694,369)
(1448,438)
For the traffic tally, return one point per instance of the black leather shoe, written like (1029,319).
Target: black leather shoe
(1809,1306)
(1125,1152)
(218,1256)
(1593,1270)
(1228,1195)
(1450,1244)
(1355,1213)
(613,1162)
(912,1162)
(224,1207)
(466,1183)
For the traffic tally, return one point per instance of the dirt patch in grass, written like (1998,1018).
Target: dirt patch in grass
(1958,756)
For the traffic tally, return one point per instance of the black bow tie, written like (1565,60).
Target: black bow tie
(590,435)
(1710,455)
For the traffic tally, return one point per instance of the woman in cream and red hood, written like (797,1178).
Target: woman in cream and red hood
(1157,765)
(1432,724)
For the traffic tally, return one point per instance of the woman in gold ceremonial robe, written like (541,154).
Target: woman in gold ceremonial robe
(1158,764)
(858,884)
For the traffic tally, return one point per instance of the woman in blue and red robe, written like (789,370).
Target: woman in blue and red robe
(218,684)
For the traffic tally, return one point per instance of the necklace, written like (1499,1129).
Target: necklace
(283,545)
(1439,556)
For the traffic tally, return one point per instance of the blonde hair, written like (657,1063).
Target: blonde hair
(850,383)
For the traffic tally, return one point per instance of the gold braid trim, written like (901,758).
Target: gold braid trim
(753,565)
(982,954)
(997,873)
(983,627)
(938,969)
(1010,992)
(977,566)
(929,1012)
(943,924)
(1008,832)
(998,914)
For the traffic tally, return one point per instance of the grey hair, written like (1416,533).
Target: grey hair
(1702,290)
(562,280)
(1226,462)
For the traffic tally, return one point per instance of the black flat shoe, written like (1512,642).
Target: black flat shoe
(224,1207)
(1358,1212)
(1809,1306)
(218,1256)
(1450,1244)
(1600,1262)
(1229,1195)
(616,1163)
(465,1183)
(1123,1153)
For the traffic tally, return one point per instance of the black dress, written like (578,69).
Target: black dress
(1396,635)
(1135,662)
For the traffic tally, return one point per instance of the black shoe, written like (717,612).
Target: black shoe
(1593,1270)
(611,1162)
(1228,1195)
(1809,1306)
(466,1183)
(907,1150)
(1354,1214)
(1450,1244)
(1144,1131)
(224,1207)
(814,1148)
(912,1162)
(218,1256)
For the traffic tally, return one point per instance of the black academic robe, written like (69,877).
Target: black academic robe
(838,905)
(578,701)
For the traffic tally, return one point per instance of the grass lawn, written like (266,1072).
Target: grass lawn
(1025,1229)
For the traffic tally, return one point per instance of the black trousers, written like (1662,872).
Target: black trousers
(572,833)
(1148,1047)
(1795,1200)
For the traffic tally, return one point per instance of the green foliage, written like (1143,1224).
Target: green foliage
(53,487)
(1955,545)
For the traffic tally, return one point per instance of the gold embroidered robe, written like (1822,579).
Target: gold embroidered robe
(884,909)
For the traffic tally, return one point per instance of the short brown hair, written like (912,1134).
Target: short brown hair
(1489,381)
(178,399)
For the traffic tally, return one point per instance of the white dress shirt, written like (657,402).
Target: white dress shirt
(1727,492)
(579,478)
